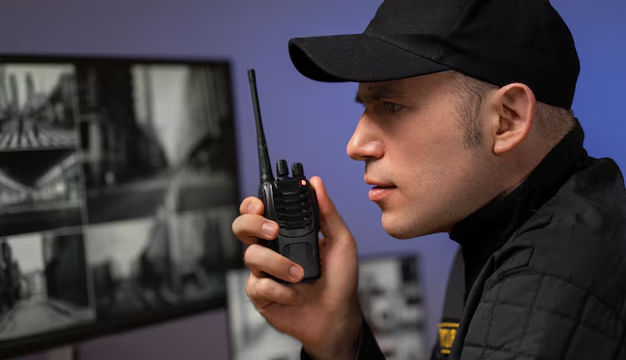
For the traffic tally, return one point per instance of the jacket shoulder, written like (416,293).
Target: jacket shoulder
(578,237)
(557,288)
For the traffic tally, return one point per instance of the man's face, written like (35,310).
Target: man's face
(412,139)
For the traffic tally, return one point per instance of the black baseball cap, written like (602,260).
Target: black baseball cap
(496,41)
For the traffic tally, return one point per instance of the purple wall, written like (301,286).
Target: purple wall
(299,114)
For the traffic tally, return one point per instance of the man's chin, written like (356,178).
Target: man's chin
(399,235)
(396,229)
(403,229)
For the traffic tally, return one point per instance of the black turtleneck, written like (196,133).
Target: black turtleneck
(485,231)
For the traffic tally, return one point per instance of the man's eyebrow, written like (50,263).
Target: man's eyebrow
(375,93)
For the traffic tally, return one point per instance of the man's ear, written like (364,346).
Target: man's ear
(513,109)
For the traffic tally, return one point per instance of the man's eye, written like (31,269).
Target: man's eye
(393,107)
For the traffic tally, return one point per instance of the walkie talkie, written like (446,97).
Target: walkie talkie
(290,201)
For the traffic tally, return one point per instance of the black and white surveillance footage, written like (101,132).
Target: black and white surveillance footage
(117,191)
(204,248)
(131,266)
(153,135)
(44,283)
(39,165)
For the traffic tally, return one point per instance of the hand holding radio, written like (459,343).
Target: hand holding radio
(319,305)
(324,315)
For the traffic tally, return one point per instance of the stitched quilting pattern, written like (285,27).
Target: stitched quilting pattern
(536,316)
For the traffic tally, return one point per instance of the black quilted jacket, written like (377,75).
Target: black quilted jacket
(541,274)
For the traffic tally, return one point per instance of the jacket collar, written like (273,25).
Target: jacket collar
(485,231)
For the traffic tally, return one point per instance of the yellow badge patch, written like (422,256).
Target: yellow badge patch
(447,332)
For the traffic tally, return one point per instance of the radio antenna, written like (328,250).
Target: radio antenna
(265,167)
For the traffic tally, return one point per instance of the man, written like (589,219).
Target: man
(466,129)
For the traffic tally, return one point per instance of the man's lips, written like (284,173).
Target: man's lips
(379,184)
(383,187)
(378,193)
(379,189)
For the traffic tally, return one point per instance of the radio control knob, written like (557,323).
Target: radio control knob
(281,168)
(296,170)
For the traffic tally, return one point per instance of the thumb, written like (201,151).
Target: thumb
(331,223)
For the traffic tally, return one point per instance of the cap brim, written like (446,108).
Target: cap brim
(356,58)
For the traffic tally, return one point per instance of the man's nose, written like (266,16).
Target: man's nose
(365,143)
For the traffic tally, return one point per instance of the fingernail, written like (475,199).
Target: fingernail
(296,272)
(269,228)
(252,208)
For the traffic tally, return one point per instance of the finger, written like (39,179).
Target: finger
(331,223)
(261,260)
(251,205)
(265,291)
(321,240)
(323,250)
(249,228)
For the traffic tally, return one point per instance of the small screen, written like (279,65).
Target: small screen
(391,298)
